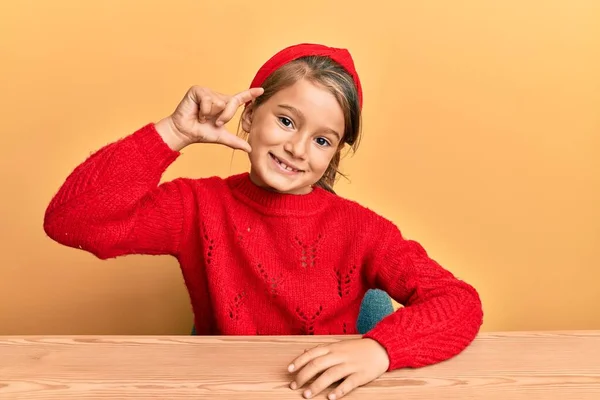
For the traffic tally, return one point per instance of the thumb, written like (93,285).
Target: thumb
(233,141)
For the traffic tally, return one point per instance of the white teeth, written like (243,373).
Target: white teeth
(284,166)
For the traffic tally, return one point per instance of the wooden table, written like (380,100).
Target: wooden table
(517,365)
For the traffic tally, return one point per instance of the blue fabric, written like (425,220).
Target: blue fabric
(376,305)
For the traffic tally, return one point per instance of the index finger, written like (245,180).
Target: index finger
(307,356)
(236,101)
(249,94)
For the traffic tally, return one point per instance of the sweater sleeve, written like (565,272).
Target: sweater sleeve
(112,203)
(441,314)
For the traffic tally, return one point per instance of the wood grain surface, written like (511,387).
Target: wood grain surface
(511,365)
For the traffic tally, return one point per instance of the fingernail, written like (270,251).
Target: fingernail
(331,396)
(307,394)
(219,123)
(293,386)
(291,368)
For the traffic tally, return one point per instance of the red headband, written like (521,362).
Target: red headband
(341,56)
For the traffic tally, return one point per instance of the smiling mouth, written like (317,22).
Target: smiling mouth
(285,167)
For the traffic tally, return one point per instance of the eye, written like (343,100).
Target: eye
(321,141)
(286,122)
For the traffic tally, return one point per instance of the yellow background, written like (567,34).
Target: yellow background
(482,136)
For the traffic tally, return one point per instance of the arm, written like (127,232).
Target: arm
(442,314)
(111,204)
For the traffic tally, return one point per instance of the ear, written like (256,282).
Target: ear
(247,117)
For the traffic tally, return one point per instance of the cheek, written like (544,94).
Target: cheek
(321,160)
(265,133)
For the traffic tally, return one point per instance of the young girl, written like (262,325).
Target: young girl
(273,251)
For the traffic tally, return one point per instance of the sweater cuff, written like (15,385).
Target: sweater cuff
(153,147)
(396,348)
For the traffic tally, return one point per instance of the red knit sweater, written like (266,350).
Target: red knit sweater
(258,262)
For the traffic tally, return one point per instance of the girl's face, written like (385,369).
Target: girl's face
(294,135)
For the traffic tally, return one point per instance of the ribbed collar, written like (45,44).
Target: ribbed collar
(274,203)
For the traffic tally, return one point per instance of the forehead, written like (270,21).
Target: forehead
(315,102)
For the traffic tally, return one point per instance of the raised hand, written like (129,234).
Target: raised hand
(200,118)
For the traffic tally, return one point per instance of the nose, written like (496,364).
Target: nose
(297,146)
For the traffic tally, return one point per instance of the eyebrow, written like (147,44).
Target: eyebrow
(300,115)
